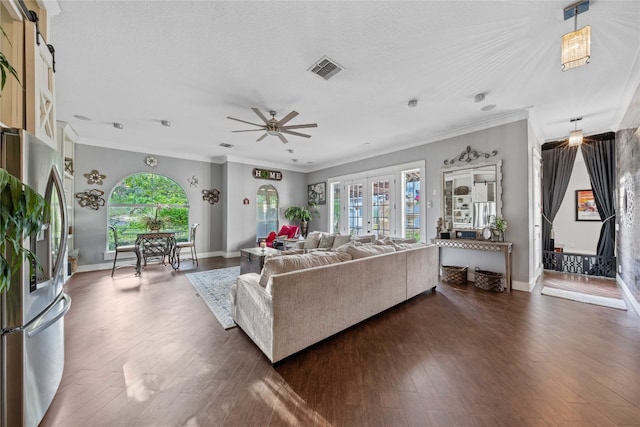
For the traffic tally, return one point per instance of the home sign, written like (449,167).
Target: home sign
(267,174)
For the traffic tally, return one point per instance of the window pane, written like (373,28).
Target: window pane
(380,207)
(266,210)
(143,196)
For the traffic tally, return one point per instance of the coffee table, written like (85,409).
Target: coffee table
(252,259)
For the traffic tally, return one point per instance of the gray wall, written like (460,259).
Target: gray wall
(628,240)
(240,229)
(90,231)
(511,141)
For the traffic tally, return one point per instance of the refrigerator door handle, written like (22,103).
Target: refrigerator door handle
(37,325)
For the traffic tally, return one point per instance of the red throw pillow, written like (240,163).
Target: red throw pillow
(271,237)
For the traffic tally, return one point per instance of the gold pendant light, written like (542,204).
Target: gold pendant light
(576,46)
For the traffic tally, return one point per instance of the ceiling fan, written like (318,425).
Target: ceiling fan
(275,127)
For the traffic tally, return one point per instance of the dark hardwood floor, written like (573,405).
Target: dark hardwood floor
(148,352)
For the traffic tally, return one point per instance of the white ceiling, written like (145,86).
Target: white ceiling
(195,63)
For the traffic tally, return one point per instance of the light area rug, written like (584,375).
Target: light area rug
(589,299)
(214,286)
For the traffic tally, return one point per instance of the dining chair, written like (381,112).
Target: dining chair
(119,248)
(191,244)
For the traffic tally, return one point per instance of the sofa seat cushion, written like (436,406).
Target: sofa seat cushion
(363,251)
(288,263)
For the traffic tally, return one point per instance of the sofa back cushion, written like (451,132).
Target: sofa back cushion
(363,251)
(288,263)
(405,246)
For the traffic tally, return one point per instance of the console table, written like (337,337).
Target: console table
(479,245)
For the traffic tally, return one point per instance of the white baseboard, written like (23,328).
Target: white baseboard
(517,285)
(132,258)
(628,294)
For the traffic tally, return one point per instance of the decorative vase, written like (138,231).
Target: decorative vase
(500,236)
(304,228)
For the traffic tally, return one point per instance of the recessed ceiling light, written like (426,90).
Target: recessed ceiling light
(118,125)
(479,97)
(225,145)
(166,123)
(488,107)
(413,103)
(80,117)
(290,150)
(294,160)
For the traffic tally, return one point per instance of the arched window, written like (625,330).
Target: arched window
(267,210)
(142,199)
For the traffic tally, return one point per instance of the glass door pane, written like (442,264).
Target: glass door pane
(355,206)
(381,206)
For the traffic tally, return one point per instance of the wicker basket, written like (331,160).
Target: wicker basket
(454,274)
(489,280)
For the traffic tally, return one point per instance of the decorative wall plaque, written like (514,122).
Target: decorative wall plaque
(193,181)
(211,196)
(469,155)
(91,199)
(151,161)
(267,174)
(68,165)
(94,177)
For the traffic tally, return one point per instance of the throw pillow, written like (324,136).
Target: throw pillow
(341,239)
(326,241)
(312,240)
(364,251)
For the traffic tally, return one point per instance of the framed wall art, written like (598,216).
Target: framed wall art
(317,193)
(586,209)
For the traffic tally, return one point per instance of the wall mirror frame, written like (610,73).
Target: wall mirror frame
(471,195)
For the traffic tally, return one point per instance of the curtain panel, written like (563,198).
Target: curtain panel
(600,159)
(557,165)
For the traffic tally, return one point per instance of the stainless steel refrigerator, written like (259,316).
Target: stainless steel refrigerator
(33,308)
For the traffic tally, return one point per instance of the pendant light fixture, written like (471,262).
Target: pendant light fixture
(576,46)
(575,136)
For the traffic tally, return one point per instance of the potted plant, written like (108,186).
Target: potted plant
(500,224)
(154,223)
(303,214)
(22,212)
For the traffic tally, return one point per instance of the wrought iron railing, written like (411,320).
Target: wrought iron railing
(567,262)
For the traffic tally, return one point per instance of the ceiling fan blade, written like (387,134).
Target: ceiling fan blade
(249,130)
(308,125)
(262,137)
(244,121)
(282,138)
(286,118)
(259,113)
(295,133)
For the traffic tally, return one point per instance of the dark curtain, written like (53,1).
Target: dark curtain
(600,158)
(557,165)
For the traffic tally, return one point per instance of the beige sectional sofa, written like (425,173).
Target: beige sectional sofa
(285,312)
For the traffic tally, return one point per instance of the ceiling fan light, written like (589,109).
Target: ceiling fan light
(575,137)
(576,48)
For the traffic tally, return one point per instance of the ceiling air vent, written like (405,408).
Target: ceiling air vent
(225,145)
(326,68)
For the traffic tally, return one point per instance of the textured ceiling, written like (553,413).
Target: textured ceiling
(195,63)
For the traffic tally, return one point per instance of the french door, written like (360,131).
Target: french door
(369,206)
